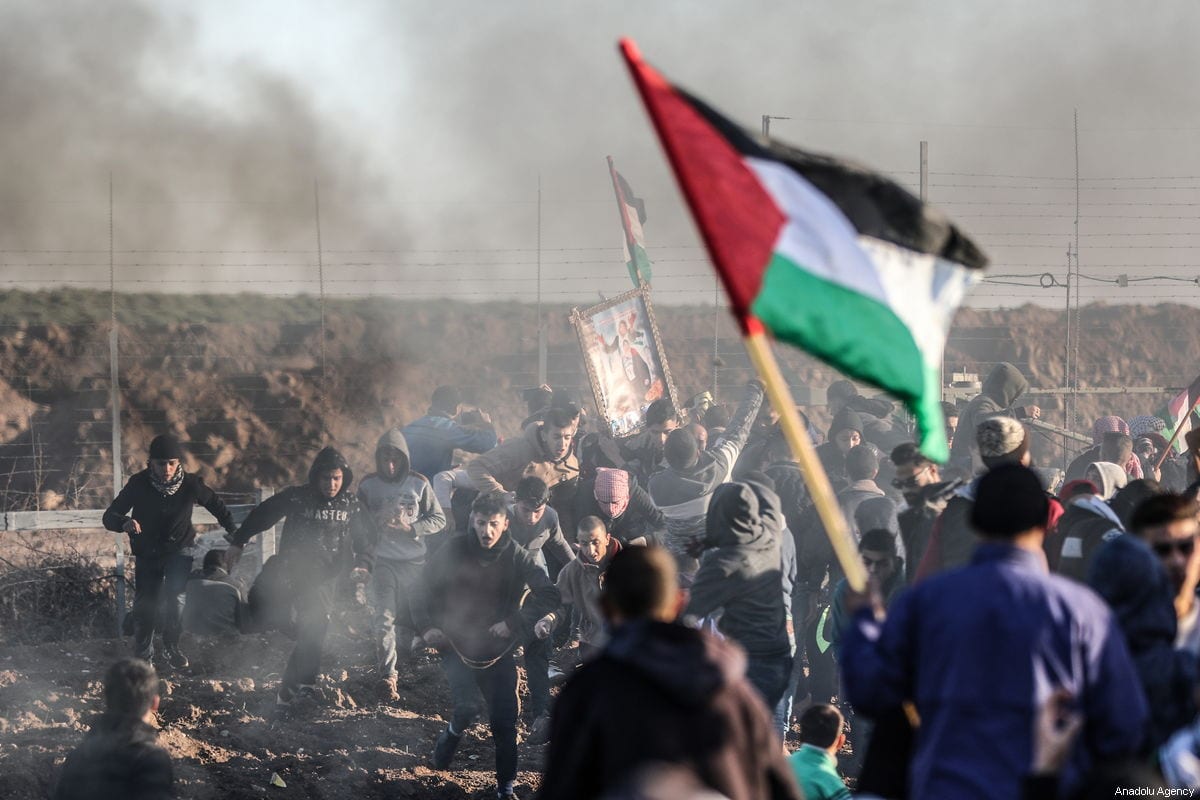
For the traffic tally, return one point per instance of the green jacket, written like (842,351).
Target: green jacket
(816,772)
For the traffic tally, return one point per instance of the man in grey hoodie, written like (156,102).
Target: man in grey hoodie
(405,511)
(1003,386)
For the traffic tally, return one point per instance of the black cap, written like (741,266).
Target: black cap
(1008,501)
(165,447)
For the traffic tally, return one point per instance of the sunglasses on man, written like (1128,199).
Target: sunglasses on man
(1185,547)
(911,482)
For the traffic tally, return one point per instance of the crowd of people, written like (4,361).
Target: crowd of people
(1026,632)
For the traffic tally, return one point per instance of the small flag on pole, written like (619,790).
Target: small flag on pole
(1177,413)
(829,256)
(633,215)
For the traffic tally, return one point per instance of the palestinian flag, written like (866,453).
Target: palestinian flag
(1178,414)
(633,215)
(831,257)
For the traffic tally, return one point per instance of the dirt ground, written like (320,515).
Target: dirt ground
(218,722)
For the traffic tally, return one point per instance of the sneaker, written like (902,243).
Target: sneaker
(284,697)
(506,794)
(443,751)
(539,731)
(388,689)
(175,658)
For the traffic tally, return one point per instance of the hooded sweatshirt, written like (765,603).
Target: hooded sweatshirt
(741,572)
(1112,478)
(322,535)
(1087,523)
(404,498)
(833,459)
(878,427)
(664,694)
(1128,575)
(1001,389)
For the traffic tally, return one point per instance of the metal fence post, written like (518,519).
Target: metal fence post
(267,538)
(118,478)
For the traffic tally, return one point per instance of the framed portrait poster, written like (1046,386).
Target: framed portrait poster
(625,361)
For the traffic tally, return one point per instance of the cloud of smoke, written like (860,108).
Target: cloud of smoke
(203,155)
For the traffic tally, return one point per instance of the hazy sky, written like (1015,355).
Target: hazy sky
(428,124)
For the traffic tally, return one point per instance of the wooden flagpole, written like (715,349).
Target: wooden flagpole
(759,348)
(1175,433)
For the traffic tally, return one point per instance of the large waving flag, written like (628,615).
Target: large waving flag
(633,216)
(831,257)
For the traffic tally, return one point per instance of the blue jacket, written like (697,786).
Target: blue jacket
(1128,575)
(433,438)
(978,649)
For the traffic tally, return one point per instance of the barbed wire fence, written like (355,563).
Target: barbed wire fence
(1138,244)
(298,345)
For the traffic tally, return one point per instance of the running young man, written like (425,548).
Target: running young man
(155,509)
(472,612)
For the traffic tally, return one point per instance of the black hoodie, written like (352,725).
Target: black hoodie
(1128,575)
(741,572)
(321,533)
(664,694)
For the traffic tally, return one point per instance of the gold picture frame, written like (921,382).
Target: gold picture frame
(626,363)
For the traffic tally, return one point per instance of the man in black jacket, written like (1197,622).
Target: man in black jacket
(155,509)
(119,757)
(925,495)
(327,530)
(471,610)
(740,572)
(661,695)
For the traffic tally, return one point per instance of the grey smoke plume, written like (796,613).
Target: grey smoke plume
(203,155)
(472,101)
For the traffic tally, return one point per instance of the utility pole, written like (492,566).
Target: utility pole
(1078,318)
(320,276)
(541,325)
(766,124)
(925,199)
(1067,364)
(115,401)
